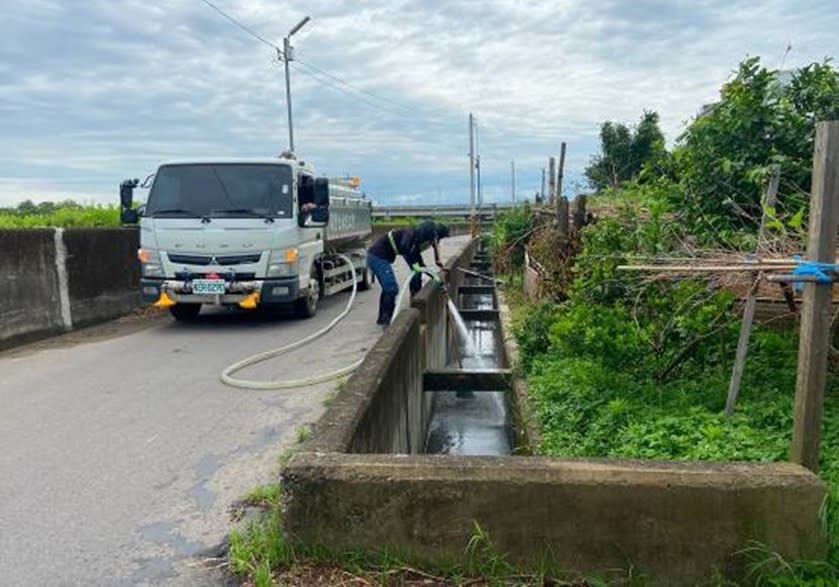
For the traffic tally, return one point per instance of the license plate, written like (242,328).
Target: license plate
(208,286)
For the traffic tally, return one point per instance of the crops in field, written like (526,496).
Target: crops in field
(66,216)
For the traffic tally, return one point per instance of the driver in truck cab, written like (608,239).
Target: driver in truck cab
(409,243)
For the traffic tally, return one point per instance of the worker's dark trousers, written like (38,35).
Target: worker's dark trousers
(390,288)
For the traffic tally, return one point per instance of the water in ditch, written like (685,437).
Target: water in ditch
(472,423)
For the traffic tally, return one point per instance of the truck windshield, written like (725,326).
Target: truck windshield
(221,190)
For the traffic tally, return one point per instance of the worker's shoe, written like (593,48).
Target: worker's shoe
(387,305)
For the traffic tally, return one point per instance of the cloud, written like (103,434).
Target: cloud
(92,92)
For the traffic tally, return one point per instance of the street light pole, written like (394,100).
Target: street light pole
(288,56)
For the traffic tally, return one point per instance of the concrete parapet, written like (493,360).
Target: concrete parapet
(673,522)
(379,409)
(103,273)
(30,305)
(58,279)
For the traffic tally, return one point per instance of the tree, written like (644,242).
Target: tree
(624,152)
(727,152)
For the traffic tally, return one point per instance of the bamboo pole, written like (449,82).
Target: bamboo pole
(751,303)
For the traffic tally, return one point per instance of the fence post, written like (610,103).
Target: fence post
(562,217)
(815,313)
(551,179)
(559,172)
(579,212)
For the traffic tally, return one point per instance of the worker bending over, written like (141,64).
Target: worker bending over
(408,242)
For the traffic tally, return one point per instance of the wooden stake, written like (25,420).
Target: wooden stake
(579,212)
(815,312)
(749,308)
(559,171)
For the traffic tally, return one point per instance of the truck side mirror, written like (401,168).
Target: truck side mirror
(320,215)
(127,215)
(322,192)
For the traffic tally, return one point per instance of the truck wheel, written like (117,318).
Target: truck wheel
(366,279)
(307,306)
(185,312)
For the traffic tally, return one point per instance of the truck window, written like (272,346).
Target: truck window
(221,190)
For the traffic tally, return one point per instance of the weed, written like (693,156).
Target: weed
(263,495)
(286,456)
(303,434)
(330,397)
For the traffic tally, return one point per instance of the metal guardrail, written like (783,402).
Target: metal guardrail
(465,210)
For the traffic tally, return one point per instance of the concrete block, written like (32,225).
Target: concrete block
(674,522)
(103,273)
(30,298)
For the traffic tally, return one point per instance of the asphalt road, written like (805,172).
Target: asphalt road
(121,452)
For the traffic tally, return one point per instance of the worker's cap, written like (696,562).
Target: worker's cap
(442,231)
(426,231)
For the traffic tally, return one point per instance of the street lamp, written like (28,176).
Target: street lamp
(288,55)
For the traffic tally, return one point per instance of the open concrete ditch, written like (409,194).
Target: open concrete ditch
(418,448)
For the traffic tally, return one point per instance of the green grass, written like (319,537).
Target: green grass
(263,495)
(260,553)
(591,402)
(303,433)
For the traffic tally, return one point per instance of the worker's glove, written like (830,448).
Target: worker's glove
(417,268)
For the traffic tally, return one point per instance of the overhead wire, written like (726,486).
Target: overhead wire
(339,84)
(245,28)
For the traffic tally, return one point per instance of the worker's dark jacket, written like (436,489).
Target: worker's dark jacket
(408,242)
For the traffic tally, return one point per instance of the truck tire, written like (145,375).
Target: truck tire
(307,306)
(366,280)
(185,312)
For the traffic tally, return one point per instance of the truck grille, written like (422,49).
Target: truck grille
(215,260)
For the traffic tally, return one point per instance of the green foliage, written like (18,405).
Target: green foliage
(63,214)
(509,237)
(759,122)
(625,153)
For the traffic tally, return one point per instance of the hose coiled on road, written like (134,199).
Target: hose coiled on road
(227,374)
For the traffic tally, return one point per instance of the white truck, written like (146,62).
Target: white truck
(249,233)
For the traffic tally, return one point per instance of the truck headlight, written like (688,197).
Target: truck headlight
(282,263)
(150,264)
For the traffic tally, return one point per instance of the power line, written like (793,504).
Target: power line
(353,87)
(248,30)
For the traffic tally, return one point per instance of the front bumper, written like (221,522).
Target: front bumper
(270,291)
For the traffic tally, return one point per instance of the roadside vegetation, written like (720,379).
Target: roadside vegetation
(637,365)
(66,214)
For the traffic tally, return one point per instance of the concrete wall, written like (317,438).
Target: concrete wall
(57,280)
(672,522)
(30,301)
(382,408)
(379,409)
(103,273)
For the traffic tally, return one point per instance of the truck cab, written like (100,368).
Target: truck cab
(248,233)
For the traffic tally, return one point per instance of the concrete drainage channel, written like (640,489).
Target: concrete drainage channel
(363,480)
(468,416)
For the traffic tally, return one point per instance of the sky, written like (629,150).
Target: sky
(95,91)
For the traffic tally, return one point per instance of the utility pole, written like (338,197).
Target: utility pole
(472,162)
(513,174)
(478,165)
(561,203)
(288,56)
(480,187)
